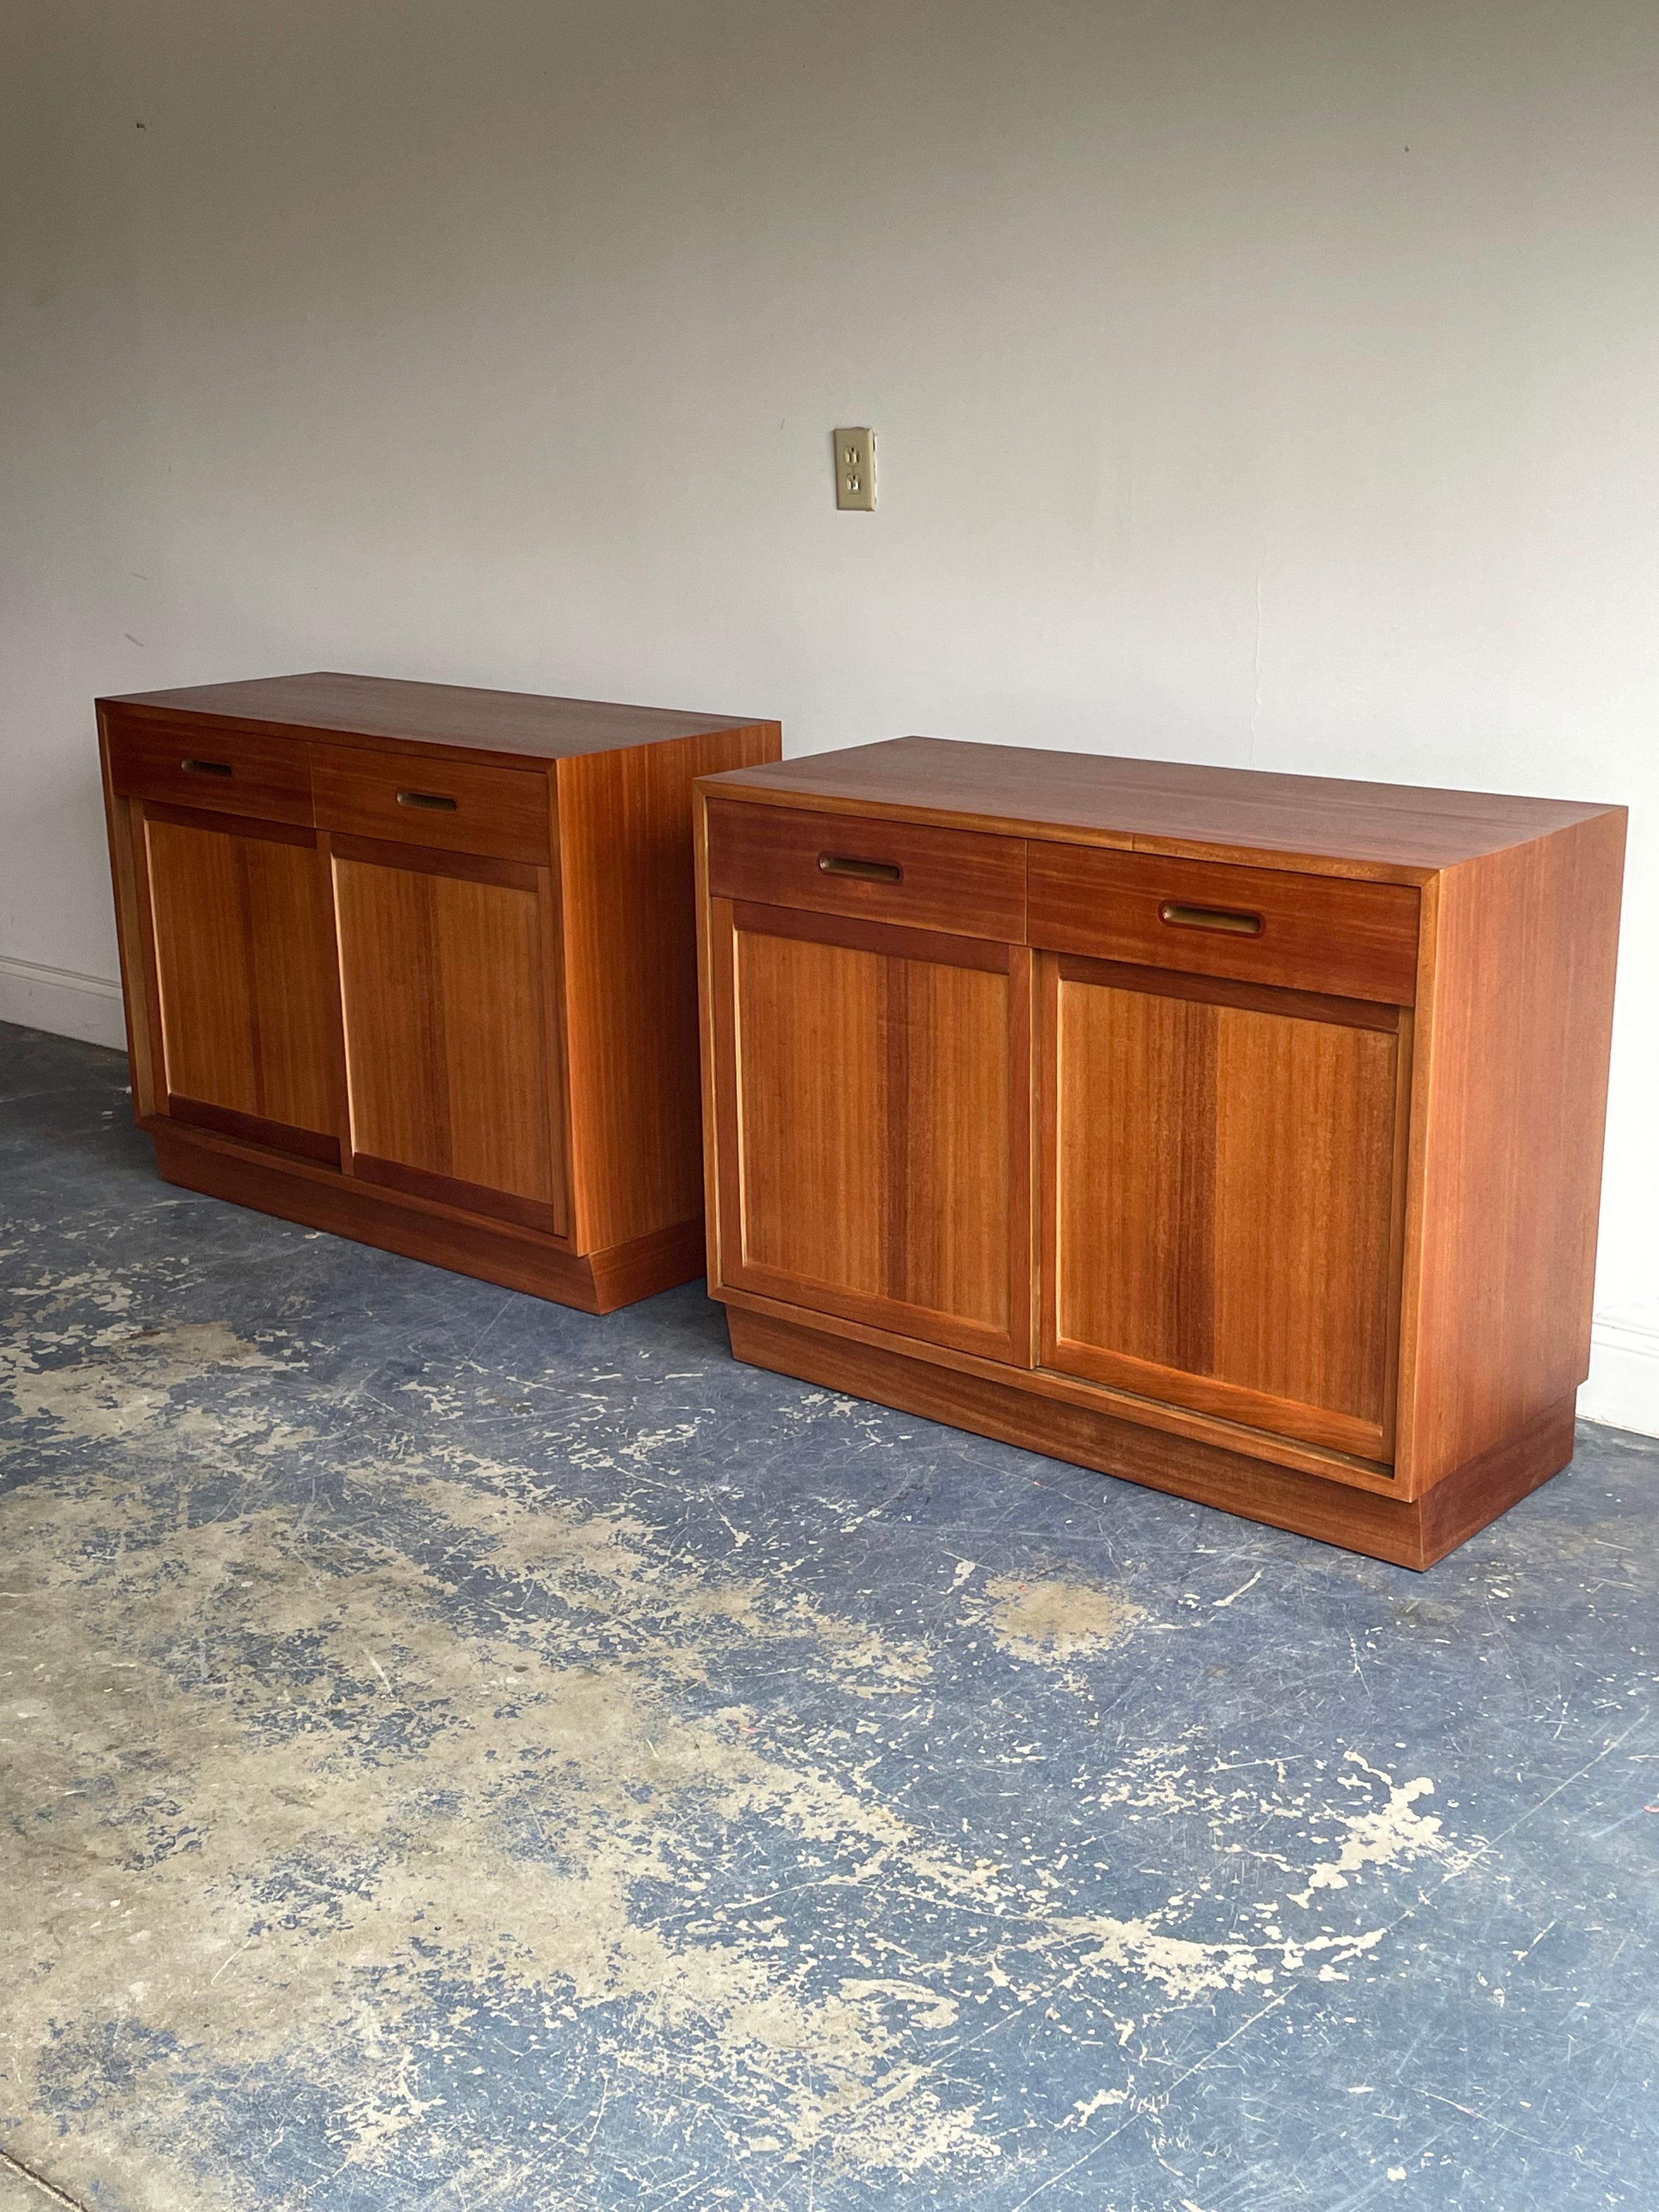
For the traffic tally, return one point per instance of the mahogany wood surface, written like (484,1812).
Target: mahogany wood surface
(457,806)
(628,917)
(122,827)
(1389,832)
(944,879)
(263,777)
(255,1129)
(447,1059)
(435,717)
(1356,940)
(1200,1244)
(1507,1134)
(465,1030)
(1319,1198)
(1225,991)
(240,935)
(875,1118)
(1407,1533)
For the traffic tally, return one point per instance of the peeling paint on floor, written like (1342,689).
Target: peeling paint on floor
(455,1753)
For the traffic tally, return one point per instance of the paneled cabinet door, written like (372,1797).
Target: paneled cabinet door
(873,1123)
(244,999)
(1222,1202)
(445,969)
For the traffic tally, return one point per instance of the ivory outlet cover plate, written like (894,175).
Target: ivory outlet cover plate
(855,470)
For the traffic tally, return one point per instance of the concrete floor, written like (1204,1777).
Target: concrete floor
(458,1753)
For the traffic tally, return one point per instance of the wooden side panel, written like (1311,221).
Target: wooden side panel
(446,1053)
(872,1111)
(1508,1114)
(1220,1209)
(630,982)
(244,971)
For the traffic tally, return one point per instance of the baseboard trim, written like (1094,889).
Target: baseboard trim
(62,1001)
(1623,1390)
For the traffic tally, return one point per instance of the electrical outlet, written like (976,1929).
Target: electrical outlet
(855,470)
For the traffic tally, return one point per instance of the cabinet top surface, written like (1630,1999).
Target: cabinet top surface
(1156,806)
(432,713)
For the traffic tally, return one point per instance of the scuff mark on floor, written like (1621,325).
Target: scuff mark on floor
(1057,1621)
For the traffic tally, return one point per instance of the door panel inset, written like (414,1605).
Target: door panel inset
(877,1165)
(244,973)
(445,1026)
(1221,1210)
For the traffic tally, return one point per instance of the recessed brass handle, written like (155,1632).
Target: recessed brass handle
(1210,917)
(434,799)
(207,768)
(871,872)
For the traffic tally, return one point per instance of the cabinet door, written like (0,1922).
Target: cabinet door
(873,1124)
(445,968)
(1223,1178)
(244,978)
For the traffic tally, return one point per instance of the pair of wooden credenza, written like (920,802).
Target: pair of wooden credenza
(1239,1134)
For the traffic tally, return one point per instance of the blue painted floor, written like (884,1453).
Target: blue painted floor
(458,1753)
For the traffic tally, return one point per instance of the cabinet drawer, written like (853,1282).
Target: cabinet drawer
(268,779)
(451,804)
(955,880)
(1322,933)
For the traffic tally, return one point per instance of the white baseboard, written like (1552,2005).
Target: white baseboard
(1623,1390)
(62,1000)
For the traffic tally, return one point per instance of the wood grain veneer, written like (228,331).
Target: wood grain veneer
(1297,1218)
(259,777)
(456,806)
(1384,832)
(875,1105)
(1356,940)
(416,965)
(922,878)
(241,960)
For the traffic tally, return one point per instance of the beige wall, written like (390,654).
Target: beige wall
(1258,383)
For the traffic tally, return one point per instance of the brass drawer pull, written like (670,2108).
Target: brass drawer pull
(870,872)
(207,768)
(434,799)
(1210,917)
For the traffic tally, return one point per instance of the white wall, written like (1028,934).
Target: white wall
(1271,383)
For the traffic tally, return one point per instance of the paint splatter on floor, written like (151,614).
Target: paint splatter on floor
(459,1753)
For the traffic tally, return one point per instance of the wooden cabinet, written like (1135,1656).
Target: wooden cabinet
(1238,1133)
(415,964)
